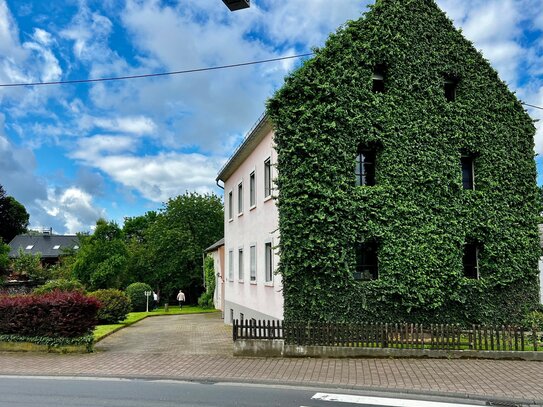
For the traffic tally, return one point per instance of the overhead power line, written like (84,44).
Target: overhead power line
(152,75)
(534,106)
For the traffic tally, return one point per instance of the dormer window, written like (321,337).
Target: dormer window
(29,247)
(365,166)
(450,88)
(379,78)
(56,247)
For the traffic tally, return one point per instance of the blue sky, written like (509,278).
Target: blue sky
(74,153)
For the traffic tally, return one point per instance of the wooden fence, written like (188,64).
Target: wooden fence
(400,336)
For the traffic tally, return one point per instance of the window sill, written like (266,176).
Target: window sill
(230,220)
(241,281)
(268,284)
(268,198)
(252,208)
(253,282)
(240,214)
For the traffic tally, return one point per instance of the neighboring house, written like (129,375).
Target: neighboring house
(252,289)
(49,246)
(405,183)
(216,251)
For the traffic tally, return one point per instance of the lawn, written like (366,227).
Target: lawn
(101,331)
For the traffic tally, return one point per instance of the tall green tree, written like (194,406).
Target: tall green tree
(177,238)
(4,257)
(13,217)
(102,258)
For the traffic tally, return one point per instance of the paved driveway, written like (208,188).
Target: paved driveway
(198,334)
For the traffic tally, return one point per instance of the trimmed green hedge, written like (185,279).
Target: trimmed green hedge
(136,293)
(418,212)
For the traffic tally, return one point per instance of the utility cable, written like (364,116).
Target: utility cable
(152,75)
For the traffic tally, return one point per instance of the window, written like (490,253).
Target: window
(468,173)
(240,264)
(252,260)
(231,315)
(29,247)
(56,247)
(470,261)
(230,206)
(379,78)
(231,265)
(269,262)
(240,198)
(76,247)
(450,88)
(366,261)
(267,178)
(252,190)
(365,166)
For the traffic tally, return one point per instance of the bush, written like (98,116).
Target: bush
(534,320)
(115,305)
(61,284)
(136,293)
(56,314)
(206,301)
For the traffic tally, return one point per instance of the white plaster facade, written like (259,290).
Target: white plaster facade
(251,229)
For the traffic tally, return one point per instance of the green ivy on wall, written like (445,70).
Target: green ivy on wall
(418,211)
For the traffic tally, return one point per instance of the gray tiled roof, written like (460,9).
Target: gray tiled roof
(43,244)
(214,246)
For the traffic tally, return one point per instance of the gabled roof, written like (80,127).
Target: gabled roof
(256,134)
(44,244)
(215,246)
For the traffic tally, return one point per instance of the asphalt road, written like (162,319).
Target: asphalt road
(79,392)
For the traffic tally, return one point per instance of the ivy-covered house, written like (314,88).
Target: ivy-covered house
(406,177)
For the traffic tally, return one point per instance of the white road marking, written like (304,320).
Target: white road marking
(382,401)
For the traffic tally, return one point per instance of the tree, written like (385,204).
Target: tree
(177,238)
(102,257)
(13,217)
(4,257)
(29,265)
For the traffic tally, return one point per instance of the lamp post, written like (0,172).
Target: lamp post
(148,294)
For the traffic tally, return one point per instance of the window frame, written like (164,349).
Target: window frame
(231,265)
(240,198)
(252,190)
(268,262)
(267,178)
(365,172)
(230,205)
(252,263)
(241,265)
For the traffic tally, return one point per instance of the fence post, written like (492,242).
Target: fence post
(534,334)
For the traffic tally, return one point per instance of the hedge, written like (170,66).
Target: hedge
(136,293)
(57,314)
(418,212)
(115,305)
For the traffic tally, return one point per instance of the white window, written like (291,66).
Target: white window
(252,190)
(29,247)
(252,254)
(76,247)
(240,198)
(240,264)
(56,247)
(230,206)
(269,262)
(231,265)
(267,178)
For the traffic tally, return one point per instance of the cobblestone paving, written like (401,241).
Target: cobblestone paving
(199,348)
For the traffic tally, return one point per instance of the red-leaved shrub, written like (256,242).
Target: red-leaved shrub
(56,314)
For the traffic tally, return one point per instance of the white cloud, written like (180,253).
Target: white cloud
(90,148)
(136,125)
(73,208)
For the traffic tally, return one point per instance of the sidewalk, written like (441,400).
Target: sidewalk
(472,378)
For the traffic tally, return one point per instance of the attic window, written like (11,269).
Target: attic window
(29,247)
(379,78)
(56,247)
(76,247)
(450,88)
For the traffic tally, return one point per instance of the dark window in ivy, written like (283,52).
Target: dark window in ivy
(470,261)
(365,166)
(379,78)
(366,261)
(450,88)
(468,172)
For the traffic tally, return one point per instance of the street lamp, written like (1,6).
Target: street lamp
(148,294)
(235,5)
